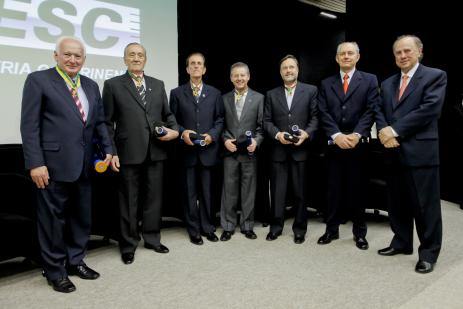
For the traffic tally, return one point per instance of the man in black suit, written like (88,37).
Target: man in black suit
(61,113)
(407,122)
(347,101)
(243,113)
(198,109)
(135,106)
(293,103)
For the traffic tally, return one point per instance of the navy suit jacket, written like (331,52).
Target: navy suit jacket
(279,118)
(204,116)
(350,112)
(53,132)
(415,116)
(130,122)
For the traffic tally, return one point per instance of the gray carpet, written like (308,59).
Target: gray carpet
(243,273)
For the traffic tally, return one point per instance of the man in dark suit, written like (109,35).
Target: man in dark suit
(407,122)
(135,106)
(346,107)
(293,103)
(198,109)
(243,113)
(61,113)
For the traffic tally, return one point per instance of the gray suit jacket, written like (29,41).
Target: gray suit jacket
(251,119)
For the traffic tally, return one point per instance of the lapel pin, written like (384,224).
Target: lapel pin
(204,95)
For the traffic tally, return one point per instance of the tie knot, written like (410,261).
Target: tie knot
(195,90)
(346,77)
(405,78)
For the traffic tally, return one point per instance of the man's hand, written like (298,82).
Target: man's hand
(115,165)
(303,135)
(392,143)
(186,137)
(171,134)
(40,176)
(251,148)
(207,138)
(343,141)
(385,134)
(230,145)
(281,138)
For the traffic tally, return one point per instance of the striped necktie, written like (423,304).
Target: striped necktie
(141,88)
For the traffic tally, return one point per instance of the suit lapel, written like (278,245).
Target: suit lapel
(413,82)
(130,85)
(395,89)
(60,85)
(229,100)
(336,85)
(281,96)
(189,93)
(296,97)
(353,85)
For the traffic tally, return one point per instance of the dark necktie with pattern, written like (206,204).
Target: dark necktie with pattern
(140,88)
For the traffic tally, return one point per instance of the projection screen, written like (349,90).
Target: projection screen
(29,29)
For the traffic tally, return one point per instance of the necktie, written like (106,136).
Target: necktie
(78,103)
(140,88)
(403,86)
(195,90)
(345,85)
(290,89)
(239,101)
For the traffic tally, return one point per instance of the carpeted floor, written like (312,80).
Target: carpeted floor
(243,273)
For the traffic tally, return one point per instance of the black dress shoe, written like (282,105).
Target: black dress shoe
(423,267)
(272,236)
(63,285)
(158,248)
(211,237)
(83,271)
(226,235)
(327,238)
(389,251)
(361,243)
(249,234)
(299,239)
(197,240)
(128,257)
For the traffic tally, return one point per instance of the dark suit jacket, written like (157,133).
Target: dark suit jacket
(52,129)
(205,116)
(277,118)
(415,116)
(251,119)
(134,121)
(352,112)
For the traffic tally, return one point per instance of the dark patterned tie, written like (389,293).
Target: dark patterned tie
(141,89)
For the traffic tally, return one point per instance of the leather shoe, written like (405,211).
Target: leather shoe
(390,251)
(82,271)
(272,236)
(197,240)
(226,235)
(327,238)
(299,239)
(211,237)
(128,257)
(361,243)
(423,267)
(250,234)
(158,248)
(63,285)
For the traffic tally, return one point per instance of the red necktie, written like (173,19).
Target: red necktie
(345,85)
(404,85)
(78,103)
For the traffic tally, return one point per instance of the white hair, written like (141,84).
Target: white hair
(70,38)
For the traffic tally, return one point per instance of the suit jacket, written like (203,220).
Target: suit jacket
(277,118)
(251,119)
(204,116)
(130,122)
(350,112)
(53,132)
(415,116)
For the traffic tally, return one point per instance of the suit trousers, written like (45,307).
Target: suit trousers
(140,199)
(347,182)
(282,172)
(63,220)
(415,195)
(197,199)
(239,188)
